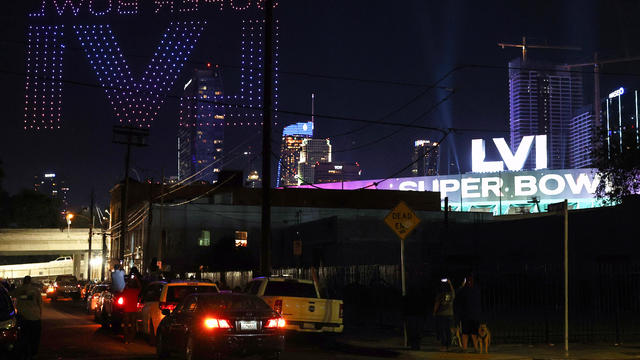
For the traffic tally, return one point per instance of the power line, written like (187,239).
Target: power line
(395,132)
(376,183)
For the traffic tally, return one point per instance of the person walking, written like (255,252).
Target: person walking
(470,308)
(443,313)
(30,314)
(130,308)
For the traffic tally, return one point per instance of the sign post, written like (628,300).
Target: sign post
(402,220)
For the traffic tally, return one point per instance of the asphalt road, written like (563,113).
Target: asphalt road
(70,333)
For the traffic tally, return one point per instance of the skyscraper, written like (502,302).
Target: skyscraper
(330,172)
(201,130)
(292,137)
(49,184)
(618,115)
(312,151)
(582,134)
(426,158)
(542,100)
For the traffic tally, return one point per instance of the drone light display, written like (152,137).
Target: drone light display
(135,99)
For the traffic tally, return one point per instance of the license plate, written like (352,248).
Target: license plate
(308,326)
(248,325)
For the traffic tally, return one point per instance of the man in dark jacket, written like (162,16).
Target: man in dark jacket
(30,312)
(469,306)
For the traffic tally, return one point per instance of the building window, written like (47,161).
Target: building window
(241,239)
(205,238)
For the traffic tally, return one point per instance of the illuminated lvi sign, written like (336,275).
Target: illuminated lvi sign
(616,93)
(513,162)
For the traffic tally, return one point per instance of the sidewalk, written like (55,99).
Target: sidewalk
(390,345)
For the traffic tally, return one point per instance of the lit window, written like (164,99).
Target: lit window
(218,92)
(241,239)
(216,170)
(203,88)
(205,238)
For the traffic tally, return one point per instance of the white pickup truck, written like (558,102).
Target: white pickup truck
(299,303)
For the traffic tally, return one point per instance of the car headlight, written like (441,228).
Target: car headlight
(8,324)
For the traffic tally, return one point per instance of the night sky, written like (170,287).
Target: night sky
(412,41)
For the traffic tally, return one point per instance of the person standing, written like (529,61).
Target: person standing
(130,308)
(117,279)
(470,311)
(30,314)
(443,313)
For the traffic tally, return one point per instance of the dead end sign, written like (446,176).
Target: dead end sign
(402,220)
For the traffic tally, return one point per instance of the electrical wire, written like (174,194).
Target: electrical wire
(376,183)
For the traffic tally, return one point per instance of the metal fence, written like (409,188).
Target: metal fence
(522,303)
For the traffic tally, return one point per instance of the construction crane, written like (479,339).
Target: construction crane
(597,63)
(524,46)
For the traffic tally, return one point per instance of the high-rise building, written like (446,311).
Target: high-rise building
(542,100)
(292,137)
(619,113)
(312,152)
(426,158)
(330,172)
(582,134)
(49,184)
(201,130)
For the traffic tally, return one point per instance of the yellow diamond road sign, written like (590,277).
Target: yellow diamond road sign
(402,220)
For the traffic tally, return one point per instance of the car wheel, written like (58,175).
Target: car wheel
(191,349)
(161,348)
(271,356)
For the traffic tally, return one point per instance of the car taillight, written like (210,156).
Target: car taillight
(211,323)
(275,323)
(167,306)
(341,311)
(120,301)
(277,306)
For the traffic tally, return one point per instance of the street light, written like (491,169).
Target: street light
(69,217)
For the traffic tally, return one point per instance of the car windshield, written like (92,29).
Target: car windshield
(233,303)
(177,293)
(291,289)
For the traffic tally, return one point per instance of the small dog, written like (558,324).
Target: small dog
(456,336)
(484,338)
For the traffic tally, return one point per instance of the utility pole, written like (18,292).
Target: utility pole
(265,253)
(104,252)
(90,236)
(565,215)
(129,136)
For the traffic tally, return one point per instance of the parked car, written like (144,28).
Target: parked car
(160,295)
(300,304)
(216,325)
(65,286)
(93,299)
(9,327)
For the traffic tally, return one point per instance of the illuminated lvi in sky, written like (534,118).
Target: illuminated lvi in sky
(513,162)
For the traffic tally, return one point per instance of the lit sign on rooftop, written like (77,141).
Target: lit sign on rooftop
(299,129)
(616,93)
(50,175)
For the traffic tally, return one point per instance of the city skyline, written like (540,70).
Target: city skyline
(87,138)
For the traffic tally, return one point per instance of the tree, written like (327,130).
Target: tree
(31,209)
(618,166)
(4,201)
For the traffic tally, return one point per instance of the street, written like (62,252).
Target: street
(70,333)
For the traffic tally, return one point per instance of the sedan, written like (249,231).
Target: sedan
(9,329)
(211,326)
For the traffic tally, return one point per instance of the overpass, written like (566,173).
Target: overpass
(75,243)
